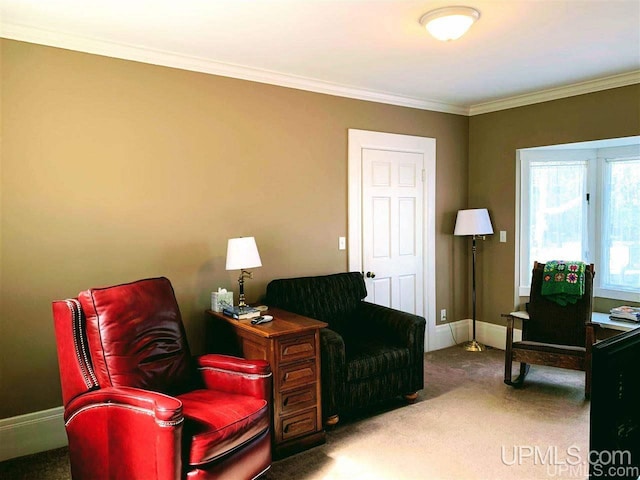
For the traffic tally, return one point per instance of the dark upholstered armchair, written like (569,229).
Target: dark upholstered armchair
(554,335)
(369,353)
(137,405)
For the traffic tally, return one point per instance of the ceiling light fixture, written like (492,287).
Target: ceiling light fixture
(449,23)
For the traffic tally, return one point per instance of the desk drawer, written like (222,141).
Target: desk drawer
(298,374)
(298,399)
(298,425)
(296,349)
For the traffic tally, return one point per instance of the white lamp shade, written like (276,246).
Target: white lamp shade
(475,221)
(242,253)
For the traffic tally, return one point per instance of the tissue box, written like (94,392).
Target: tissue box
(220,300)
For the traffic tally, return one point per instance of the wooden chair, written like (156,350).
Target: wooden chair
(553,335)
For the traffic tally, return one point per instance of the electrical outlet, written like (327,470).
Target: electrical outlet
(342,243)
(443,315)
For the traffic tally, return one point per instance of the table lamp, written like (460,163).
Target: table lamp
(242,253)
(474,222)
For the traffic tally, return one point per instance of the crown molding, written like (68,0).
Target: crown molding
(581,88)
(169,59)
(173,60)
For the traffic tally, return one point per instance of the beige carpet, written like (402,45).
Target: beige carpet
(466,424)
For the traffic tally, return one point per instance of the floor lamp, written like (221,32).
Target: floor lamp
(474,222)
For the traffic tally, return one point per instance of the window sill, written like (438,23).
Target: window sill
(598,292)
(616,294)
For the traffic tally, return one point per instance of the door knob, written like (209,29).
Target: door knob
(371,275)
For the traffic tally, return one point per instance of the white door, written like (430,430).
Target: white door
(391,220)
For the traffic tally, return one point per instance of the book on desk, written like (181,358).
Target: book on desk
(625,312)
(241,313)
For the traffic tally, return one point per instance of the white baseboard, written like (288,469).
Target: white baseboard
(32,433)
(487,333)
(495,335)
(449,334)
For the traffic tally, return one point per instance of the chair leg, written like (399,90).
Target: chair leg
(332,421)
(411,397)
(524,369)
(508,364)
(508,354)
(587,383)
(590,340)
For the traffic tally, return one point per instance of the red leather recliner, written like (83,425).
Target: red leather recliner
(137,405)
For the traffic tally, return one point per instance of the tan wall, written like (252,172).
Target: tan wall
(493,141)
(113,171)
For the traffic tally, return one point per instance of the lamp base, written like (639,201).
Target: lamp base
(473,346)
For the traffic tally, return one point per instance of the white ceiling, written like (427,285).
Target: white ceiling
(519,52)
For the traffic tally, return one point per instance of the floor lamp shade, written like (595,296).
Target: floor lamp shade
(473,222)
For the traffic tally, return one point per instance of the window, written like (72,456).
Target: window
(621,218)
(582,202)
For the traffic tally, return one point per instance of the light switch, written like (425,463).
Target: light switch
(503,236)
(342,243)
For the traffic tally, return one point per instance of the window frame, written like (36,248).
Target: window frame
(608,156)
(596,155)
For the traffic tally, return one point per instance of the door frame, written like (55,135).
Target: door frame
(360,139)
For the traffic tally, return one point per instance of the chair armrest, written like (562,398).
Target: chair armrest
(401,328)
(236,375)
(333,368)
(122,432)
(166,410)
(511,319)
(521,314)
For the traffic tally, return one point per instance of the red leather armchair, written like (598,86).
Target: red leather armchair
(139,406)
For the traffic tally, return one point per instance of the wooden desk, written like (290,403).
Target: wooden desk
(604,321)
(291,344)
